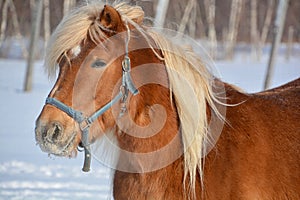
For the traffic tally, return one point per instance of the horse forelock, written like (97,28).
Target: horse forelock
(79,24)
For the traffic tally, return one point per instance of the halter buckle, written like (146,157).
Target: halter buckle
(85,124)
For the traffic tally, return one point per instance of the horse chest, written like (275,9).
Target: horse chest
(160,184)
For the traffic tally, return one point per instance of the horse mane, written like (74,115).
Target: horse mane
(180,63)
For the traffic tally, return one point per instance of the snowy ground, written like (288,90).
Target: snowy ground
(27,173)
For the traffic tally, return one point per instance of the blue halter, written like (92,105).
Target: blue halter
(85,122)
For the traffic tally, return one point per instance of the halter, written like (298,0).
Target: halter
(84,121)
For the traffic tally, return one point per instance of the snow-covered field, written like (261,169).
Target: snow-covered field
(27,173)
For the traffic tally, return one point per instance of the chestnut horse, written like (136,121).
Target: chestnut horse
(168,127)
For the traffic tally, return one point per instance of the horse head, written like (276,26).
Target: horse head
(97,81)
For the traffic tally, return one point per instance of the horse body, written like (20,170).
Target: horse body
(252,158)
(162,151)
(257,156)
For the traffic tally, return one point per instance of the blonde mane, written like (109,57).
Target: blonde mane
(180,64)
(184,64)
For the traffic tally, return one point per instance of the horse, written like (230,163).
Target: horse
(169,128)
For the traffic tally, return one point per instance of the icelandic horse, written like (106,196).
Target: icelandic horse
(176,131)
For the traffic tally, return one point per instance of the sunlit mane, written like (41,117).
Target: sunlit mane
(185,64)
(75,28)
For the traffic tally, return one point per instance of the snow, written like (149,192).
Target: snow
(25,171)
(28,173)
(249,75)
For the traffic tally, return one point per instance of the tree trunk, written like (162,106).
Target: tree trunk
(17,28)
(289,45)
(4,21)
(235,15)
(265,29)
(193,21)
(68,5)
(33,43)
(253,29)
(186,15)
(210,7)
(47,28)
(200,30)
(161,12)
(277,34)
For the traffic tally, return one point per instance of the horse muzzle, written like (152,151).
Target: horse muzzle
(54,139)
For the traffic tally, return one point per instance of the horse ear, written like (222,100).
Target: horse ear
(111,19)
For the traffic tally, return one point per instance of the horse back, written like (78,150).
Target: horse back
(292,85)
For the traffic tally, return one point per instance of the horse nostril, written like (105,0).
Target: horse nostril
(51,132)
(56,131)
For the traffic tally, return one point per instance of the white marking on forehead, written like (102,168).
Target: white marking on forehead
(76,51)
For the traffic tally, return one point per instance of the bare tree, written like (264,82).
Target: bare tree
(161,12)
(68,5)
(201,29)
(47,28)
(32,4)
(33,40)
(289,45)
(210,7)
(277,34)
(266,27)
(235,15)
(185,18)
(9,4)
(253,29)
(4,21)
(193,21)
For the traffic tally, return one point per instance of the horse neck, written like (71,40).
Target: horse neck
(144,171)
(151,121)
(148,134)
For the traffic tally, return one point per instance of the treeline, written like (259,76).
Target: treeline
(174,16)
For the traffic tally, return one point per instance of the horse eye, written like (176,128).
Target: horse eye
(98,64)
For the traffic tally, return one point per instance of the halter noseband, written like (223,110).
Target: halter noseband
(85,122)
